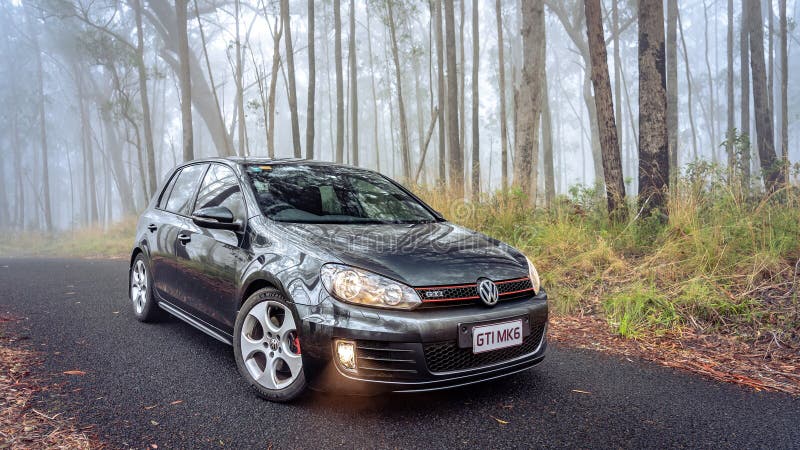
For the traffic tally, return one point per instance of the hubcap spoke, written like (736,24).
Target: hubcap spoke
(249,347)
(294,362)
(287,325)
(267,378)
(259,313)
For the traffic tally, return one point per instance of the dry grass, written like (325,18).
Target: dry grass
(713,290)
(94,242)
(21,425)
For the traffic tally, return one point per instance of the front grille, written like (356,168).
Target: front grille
(508,289)
(448,357)
(385,360)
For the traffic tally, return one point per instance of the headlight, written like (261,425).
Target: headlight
(534,276)
(352,285)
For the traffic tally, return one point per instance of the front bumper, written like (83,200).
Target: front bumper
(412,351)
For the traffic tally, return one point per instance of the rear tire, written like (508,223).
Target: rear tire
(140,291)
(266,346)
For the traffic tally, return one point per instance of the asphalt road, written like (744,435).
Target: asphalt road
(173,386)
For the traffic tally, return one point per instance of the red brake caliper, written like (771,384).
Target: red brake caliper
(297,344)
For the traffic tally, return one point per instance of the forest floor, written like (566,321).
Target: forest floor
(22,425)
(713,290)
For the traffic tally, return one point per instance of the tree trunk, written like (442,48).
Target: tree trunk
(20,189)
(784,85)
(547,145)
(285,18)
(588,99)
(337,29)
(712,104)
(617,73)
(672,88)
(239,75)
(145,100)
(745,94)
(405,150)
(374,95)
(185,81)
(730,132)
(46,206)
(88,150)
(273,84)
(476,158)
(653,140)
(612,162)
(690,103)
(501,69)
(456,157)
(766,141)
(530,102)
(770,57)
(440,90)
(462,86)
(353,83)
(312,81)
(226,148)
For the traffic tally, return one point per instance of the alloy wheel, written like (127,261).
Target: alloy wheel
(270,346)
(139,286)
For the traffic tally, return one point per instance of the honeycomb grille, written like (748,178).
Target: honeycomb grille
(506,289)
(385,360)
(448,357)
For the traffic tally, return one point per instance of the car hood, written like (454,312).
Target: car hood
(432,254)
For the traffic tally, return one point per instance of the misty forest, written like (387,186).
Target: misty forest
(539,98)
(644,153)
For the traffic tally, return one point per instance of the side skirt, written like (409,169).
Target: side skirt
(186,317)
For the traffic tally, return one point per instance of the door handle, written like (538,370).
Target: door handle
(184,238)
(152,227)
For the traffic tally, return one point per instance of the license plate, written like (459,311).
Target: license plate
(486,338)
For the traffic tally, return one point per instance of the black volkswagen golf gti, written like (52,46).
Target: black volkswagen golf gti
(333,277)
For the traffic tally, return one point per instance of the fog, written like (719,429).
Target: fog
(91,93)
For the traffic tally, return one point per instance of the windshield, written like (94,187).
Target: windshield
(324,194)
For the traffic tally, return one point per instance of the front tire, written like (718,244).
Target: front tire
(266,346)
(140,284)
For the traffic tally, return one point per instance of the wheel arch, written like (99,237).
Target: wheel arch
(257,282)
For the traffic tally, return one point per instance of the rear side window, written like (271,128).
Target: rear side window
(221,188)
(180,199)
(162,201)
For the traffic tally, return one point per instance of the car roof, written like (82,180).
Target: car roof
(263,160)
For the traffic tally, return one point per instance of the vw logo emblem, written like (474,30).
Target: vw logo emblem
(488,292)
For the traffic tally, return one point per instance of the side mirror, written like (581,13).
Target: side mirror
(216,218)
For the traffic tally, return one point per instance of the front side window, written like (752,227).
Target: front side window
(180,199)
(221,188)
(323,194)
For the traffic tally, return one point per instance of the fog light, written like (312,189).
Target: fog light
(346,352)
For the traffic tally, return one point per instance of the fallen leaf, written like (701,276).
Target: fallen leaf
(580,391)
(154,423)
(74,372)
(176,402)
(150,407)
(500,421)
(153,446)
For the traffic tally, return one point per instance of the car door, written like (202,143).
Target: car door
(168,240)
(160,225)
(211,258)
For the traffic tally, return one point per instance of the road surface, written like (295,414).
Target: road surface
(170,385)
